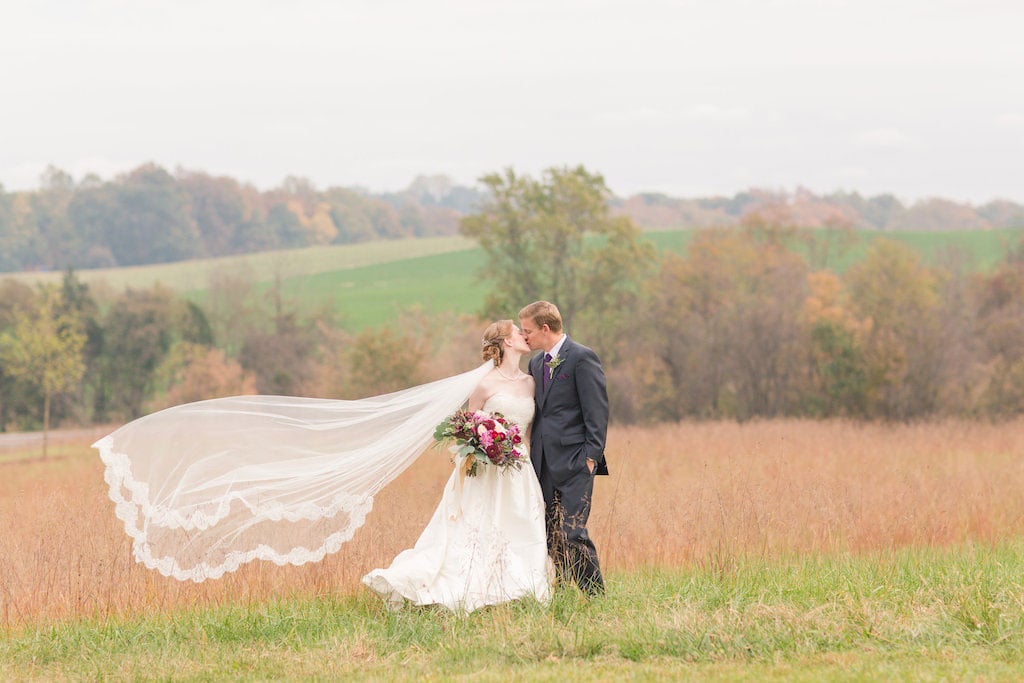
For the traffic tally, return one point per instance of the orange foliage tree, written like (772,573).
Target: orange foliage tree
(207,373)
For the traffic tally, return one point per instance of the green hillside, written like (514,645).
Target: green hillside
(368,284)
(374,295)
(186,276)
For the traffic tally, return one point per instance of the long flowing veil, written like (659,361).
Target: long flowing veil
(206,487)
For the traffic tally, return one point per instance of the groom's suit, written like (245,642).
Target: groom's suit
(570,426)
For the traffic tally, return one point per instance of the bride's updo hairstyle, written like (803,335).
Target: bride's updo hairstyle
(493,347)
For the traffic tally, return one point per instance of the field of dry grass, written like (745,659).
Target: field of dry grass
(700,494)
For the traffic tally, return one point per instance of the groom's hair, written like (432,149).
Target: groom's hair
(543,313)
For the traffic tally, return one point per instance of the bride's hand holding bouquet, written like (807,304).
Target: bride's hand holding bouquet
(482,438)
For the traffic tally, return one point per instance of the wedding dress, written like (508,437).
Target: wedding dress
(485,543)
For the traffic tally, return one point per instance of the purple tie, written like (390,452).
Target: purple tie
(546,370)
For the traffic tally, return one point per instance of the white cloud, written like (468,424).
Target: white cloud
(713,112)
(852,173)
(882,138)
(629,117)
(1010,120)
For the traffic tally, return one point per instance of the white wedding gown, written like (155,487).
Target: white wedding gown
(485,543)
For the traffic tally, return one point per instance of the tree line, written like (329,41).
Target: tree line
(750,322)
(883,212)
(745,327)
(150,215)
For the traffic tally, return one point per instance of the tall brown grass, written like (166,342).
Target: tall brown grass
(685,494)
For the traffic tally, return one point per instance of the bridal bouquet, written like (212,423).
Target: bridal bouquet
(485,438)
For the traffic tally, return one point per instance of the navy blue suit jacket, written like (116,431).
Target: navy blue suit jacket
(571,423)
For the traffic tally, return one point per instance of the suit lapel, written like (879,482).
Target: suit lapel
(563,353)
(537,370)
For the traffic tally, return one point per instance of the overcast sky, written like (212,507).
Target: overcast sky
(916,97)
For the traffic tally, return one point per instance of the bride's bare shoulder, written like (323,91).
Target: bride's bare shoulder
(487,388)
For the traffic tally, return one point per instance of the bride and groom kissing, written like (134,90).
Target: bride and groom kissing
(505,535)
(204,488)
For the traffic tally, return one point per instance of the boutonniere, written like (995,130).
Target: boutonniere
(553,364)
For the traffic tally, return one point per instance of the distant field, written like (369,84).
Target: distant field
(190,275)
(979,250)
(373,294)
(368,284)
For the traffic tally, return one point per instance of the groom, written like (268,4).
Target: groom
(567,443)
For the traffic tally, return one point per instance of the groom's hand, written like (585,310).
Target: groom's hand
(591,464)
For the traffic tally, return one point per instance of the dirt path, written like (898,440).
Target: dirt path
(16,441)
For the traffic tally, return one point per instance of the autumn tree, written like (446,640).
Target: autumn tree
(286,226)
(91,211)
(383,360)
(897,297)
(280,345)
(150,221)
(138,332)
(17,396)
(556,239)
(78,304)
(20,241)
(998,299)
(351,213)
(44,346)
(837,373)
(722,329)
(282,358)
(61,241)
(206,372)
(219,207)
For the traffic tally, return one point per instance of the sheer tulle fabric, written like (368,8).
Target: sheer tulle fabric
(206,487)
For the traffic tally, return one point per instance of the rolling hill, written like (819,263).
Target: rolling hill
(369,283)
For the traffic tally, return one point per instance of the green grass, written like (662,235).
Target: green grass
(912,615)
(981,250)
(264,266)
(375,295)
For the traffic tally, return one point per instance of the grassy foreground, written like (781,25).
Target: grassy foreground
(911,614)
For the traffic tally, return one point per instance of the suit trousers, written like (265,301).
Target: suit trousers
(567,508)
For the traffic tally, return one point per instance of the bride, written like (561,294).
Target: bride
(205,488)
(486,542)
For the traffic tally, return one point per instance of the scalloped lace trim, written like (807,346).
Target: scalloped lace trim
(137,505)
